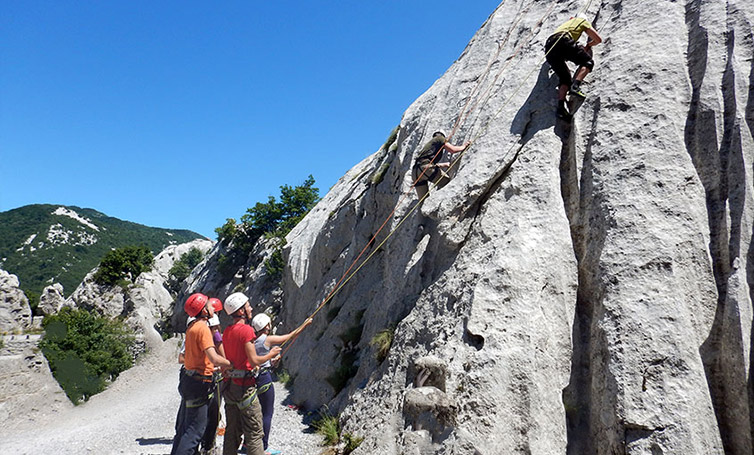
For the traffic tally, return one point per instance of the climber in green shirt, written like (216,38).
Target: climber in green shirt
(563,46)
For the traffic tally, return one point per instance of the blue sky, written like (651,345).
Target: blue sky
(180,114)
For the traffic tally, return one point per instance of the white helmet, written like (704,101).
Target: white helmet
(190,320)
(260,321)
(213,321)
(235,301)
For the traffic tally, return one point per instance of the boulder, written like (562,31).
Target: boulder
(51,300)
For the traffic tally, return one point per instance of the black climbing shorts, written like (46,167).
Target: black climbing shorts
(564,48)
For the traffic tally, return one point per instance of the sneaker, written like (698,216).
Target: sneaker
(272,452)
(576,90)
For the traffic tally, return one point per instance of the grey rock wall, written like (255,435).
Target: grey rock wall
(588,293)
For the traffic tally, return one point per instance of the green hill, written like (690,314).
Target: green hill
(43,243)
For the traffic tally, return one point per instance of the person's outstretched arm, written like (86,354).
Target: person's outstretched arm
(594,37)
(456,148)
(256,360)
(273,340)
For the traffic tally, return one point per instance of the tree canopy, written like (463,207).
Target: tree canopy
(125,263)
(271,218)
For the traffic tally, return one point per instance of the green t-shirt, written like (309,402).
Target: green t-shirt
(431,148)
(574,27)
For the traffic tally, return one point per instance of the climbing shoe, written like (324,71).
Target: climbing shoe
(563,113)
(576,90)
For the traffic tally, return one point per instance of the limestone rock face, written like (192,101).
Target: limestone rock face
(52,299)
(587,292)
(15,313)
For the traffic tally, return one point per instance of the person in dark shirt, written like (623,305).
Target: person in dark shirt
(428,166)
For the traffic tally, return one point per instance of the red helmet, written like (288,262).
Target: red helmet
(217,305)
(195,304)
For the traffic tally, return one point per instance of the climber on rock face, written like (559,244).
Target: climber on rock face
(427,164)
(563,46)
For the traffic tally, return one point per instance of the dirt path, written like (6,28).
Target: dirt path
(136,415)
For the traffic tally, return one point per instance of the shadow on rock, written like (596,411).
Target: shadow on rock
(538,111)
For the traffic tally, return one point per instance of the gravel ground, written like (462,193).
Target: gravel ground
(136,415)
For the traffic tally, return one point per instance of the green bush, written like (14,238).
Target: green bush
(382,341)
(378,176)
(123,264)
(85,351)
(183,267)
(391,138)
(328,426)
(285,378)
(226,232)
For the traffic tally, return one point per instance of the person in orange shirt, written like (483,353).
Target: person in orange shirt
(196,383)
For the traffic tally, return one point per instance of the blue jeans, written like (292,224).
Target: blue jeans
(191,421)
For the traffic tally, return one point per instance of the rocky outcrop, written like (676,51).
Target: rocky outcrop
(587,292)
(15,313)
(28,391)
(51,300)
(142,304)
(226,270)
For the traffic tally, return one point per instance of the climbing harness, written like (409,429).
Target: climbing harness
(198,380)
(248,399)
(199,402)
(193,374)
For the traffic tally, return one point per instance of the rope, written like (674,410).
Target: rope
(346,277)
(488,93)
(463,114)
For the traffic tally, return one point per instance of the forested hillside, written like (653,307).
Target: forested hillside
(45,243)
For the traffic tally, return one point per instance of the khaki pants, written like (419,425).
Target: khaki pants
(431,173)
(246,422)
